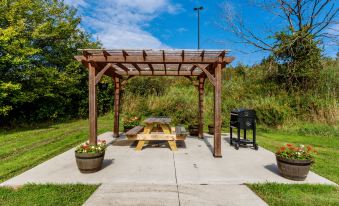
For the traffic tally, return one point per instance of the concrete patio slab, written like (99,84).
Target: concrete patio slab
(158,176)
(196,165)
(193,163)
(131,194)
(190,195)
(230,194)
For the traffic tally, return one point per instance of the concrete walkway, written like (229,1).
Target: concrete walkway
(157,176)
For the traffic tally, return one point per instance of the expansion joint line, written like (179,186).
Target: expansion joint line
(176,179)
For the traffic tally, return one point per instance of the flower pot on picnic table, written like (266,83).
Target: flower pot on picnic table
(211,129)
(193,130)
(88,163)
(293,169)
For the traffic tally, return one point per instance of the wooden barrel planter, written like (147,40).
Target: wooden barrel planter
(193,130)
(210,129)
(88,163)
(293,169)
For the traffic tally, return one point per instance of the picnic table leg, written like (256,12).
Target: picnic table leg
(147,130)
(166,129)
(173,145)
(140,145)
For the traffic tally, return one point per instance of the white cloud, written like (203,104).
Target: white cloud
(181,30)
(121,23)
(76,3)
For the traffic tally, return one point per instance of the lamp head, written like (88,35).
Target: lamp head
(198,8)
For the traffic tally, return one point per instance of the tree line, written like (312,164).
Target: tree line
(39,80)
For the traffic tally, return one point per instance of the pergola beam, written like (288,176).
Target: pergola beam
(164,59)
(154,59)
(193,68)
(124,54)
(159,73)
(202,55)
(106,53)
(151,67)
(179,67)
(136,66)
(123,67)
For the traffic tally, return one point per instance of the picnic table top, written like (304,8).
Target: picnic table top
(158,120)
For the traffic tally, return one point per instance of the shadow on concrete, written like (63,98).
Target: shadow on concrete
(122,142)
(107,162)
(208,144)
(227,140)
(273,168)
(181,144)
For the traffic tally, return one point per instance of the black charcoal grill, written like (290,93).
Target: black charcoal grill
(243,119)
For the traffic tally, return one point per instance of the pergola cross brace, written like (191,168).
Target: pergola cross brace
(208,74)
(101,73)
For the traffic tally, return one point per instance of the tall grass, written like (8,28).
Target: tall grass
(243,87)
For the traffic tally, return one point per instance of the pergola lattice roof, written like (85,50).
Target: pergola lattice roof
(149,62)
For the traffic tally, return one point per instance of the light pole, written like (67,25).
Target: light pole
(198,9)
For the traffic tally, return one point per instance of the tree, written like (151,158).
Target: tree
(38,39)
(294,45)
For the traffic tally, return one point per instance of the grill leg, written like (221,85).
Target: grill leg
(236,146)
(231,135)
(255,138)
(244,133)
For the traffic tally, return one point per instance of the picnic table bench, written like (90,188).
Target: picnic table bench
(157,128)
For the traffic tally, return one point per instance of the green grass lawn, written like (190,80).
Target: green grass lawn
(298,194)
(46,195)
(326,162)
(326,165)
(23,149)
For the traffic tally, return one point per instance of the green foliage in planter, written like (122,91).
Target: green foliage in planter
(100,147)
(131,121)
(301,152)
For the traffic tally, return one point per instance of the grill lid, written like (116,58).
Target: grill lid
(242,112)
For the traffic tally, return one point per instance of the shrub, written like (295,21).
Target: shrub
(145,86)
(270,112)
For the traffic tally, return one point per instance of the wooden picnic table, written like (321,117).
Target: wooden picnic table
(156,122)
(157,128)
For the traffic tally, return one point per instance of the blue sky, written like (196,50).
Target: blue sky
(173,24)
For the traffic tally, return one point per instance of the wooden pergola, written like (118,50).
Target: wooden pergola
(121,65)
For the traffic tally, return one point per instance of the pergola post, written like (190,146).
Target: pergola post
(217,112)
(116,106)
(92,94)
(201,106)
